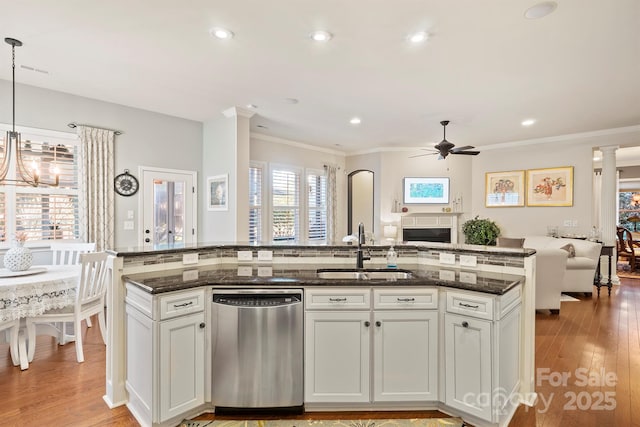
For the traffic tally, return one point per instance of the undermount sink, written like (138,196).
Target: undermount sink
(366,274)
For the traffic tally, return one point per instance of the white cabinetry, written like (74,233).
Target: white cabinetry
(482,353)
(165,354)
(347,343)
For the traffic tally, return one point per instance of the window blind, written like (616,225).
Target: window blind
(255,204)
(44,212)
(285,193)
(317,206)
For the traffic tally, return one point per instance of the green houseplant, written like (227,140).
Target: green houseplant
(479,231)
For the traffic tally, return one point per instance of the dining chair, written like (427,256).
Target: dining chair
(90,298)
(12,327)
(627,248)
(69,253)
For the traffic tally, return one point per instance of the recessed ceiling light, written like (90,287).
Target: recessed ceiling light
(355,121)
(221,33)
(418,37)
(540,10)
(528,122)
(321,36)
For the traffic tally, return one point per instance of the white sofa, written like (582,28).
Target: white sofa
(580,269)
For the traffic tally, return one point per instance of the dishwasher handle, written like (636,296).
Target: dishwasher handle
(257,300)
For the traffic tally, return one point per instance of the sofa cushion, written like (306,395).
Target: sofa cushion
(570,249)
(509,242)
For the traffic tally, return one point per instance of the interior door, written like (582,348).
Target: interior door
(169,200)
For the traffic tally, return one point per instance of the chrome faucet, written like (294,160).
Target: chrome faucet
(360,258)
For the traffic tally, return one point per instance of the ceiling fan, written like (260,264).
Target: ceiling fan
(444,147)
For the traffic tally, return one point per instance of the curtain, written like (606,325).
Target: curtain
(332,201)
(96,198)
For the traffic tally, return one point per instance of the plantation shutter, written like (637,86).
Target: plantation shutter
(3,218)
(317,206)
(255,204)
(285,191)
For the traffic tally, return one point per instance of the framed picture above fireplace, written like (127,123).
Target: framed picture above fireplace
(425,190)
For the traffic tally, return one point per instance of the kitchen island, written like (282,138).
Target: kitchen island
(489,299)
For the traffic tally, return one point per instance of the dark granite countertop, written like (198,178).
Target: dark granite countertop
(301,275)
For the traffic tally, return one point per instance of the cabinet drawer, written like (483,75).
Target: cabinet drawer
(479,306)
(337,299)
(180,303)
(405,298)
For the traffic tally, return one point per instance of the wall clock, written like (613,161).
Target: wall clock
(126,184)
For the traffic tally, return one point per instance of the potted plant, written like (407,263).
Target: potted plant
(479,231)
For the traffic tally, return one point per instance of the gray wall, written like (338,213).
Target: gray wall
(520,221)
(149,139)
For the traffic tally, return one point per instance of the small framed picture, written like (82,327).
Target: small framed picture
(503,189)
(550,187)
(217,192)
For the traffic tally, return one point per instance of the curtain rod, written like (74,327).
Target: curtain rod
(74,125)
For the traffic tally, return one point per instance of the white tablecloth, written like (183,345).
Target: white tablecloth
(32,295)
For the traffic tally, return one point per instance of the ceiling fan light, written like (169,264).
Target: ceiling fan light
(321,36)
(221,33)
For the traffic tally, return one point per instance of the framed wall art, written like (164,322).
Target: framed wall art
(426,191)
(504,189)
(550,187)
(217,187)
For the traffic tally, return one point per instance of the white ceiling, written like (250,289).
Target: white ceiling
(485,67)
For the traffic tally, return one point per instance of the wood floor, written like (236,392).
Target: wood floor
(595,341)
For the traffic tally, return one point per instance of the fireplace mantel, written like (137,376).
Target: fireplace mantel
(436,220)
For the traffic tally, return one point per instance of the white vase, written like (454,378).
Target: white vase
(18,258)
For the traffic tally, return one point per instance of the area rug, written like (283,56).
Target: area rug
(624,270)
(399,422)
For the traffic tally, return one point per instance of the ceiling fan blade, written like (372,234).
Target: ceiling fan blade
(425,154)
(466,147)
(468,153)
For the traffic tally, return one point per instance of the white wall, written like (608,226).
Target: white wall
(521,221)
(149,139)
(273,150)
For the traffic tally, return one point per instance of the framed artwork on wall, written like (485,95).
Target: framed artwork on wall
(504,189)
(425,191)
(550,187)
(217,187)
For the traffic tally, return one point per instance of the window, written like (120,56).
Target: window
(285,202)
(317,206)
(292,215)
(255,203)
(44,213)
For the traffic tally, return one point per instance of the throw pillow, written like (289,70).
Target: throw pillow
(569,248)
(509,242)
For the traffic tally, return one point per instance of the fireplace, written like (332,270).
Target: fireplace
(430,227)
(432,234)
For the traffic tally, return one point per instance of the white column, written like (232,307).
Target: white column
(608,204)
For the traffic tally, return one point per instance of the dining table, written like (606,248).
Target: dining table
(31,292)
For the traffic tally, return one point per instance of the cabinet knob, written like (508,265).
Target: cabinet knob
(202,325)
(378,323)
(465,324)
(366,323)
(147,240)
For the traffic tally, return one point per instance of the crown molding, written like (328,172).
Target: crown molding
(238,112)
(277,140)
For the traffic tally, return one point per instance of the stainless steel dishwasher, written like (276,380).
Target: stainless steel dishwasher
(257,348)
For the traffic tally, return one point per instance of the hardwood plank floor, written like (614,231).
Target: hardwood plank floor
(593,339)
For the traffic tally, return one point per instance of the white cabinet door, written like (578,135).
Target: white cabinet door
(468,365)
(337,356)
(181,365)
(405,355)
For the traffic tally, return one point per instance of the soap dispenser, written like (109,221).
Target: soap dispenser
(392,258)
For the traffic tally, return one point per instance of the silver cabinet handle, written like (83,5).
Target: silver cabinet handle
(183,305)
(468,305)
(406,299)
(337,299)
